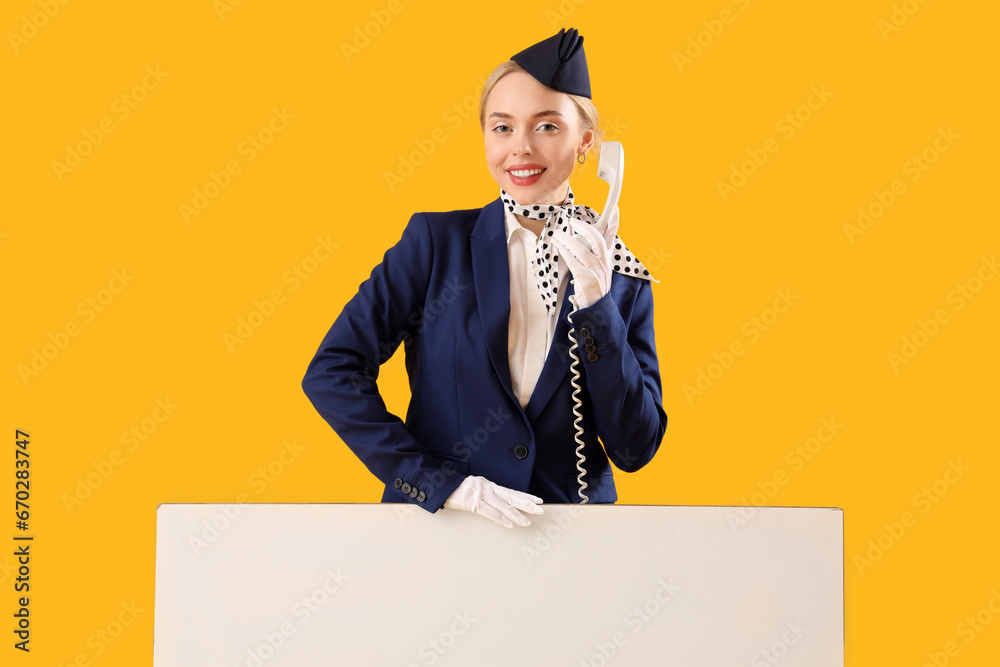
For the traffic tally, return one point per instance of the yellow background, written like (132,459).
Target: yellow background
(323,175)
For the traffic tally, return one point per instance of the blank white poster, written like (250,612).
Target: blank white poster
(273,585)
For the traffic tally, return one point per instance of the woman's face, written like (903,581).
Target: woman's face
(532,137)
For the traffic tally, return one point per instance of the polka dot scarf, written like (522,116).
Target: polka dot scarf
(546,259)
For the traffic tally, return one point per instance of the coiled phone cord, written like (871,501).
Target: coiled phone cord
(577,404)
(610,169)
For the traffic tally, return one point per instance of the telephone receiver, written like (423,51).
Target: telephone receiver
(610,169)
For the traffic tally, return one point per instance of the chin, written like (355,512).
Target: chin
(527,196)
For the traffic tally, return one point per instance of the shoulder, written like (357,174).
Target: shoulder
(631,293)
(458,217)
(457,223)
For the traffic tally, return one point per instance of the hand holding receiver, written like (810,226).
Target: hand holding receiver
(497,503)
(588,256)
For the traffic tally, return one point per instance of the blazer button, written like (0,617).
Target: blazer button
(421,497)
(414,492)
(591,348)
(591,357)
(588,341)
(520,451)
(405,488)
(399,482)
(585,331)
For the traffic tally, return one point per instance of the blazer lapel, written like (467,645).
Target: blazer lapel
(491,274)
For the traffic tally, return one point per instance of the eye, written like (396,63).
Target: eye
(545,125)
(499,127)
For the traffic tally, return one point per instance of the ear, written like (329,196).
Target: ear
(587,141)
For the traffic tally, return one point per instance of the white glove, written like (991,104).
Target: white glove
(588,256)
(480,495)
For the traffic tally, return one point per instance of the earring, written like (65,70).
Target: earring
(581,155)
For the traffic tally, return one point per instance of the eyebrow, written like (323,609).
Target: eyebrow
(549,112)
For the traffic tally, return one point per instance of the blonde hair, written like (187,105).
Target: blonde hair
(589,118)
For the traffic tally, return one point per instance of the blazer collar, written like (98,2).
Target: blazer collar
(491,274)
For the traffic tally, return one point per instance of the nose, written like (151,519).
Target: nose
(522,146)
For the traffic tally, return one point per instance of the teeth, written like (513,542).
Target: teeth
(525,173)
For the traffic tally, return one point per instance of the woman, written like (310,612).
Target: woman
(483,302)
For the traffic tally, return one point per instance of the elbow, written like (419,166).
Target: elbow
(308,382)
(659,429)
(628,459)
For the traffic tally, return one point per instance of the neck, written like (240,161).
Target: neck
(532,225)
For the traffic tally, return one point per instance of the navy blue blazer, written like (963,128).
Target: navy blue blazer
(443,291)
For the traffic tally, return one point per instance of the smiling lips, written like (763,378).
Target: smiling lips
(525,174)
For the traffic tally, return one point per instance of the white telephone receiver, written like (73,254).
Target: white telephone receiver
(610,169)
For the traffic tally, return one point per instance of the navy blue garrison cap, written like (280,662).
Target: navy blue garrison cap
(558,62)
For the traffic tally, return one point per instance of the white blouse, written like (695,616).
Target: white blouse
(531,326)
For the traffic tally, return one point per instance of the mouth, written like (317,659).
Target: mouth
(525,176)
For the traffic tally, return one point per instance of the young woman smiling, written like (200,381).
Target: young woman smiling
(483,302)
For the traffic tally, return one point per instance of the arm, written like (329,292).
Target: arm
(624,380)
(341,379)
